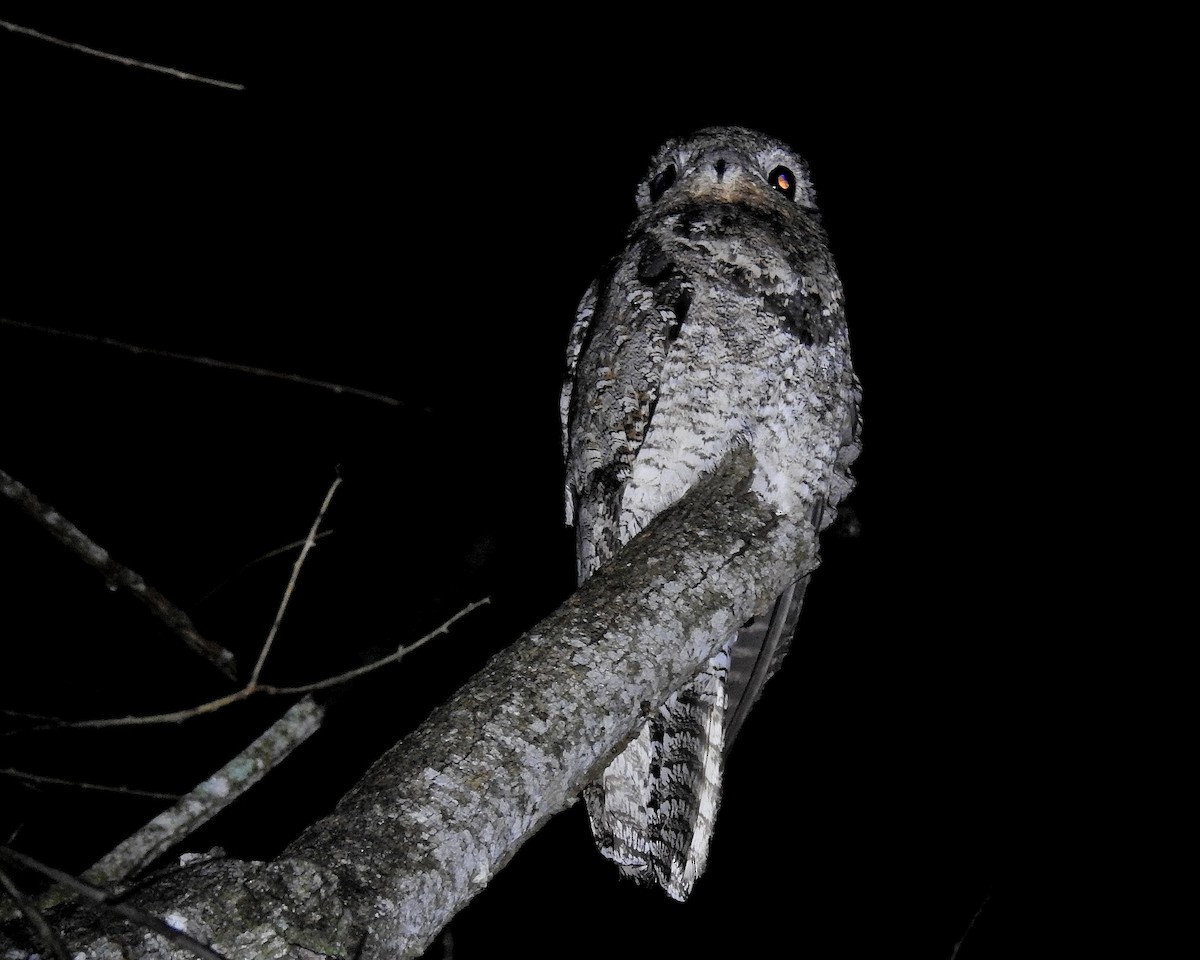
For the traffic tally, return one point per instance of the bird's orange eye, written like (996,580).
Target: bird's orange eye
(783,180)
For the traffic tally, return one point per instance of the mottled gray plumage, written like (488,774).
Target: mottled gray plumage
(720,322)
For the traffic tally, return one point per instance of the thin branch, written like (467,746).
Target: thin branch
(5,712)
(96,556)
(58,781)
(175,716)
(962,940)
(34,916)
(101,898)
(210,797)
(207,362)
(257,560)
(510,749)
(382,662)
(178,716)
(309,541)
(122,60)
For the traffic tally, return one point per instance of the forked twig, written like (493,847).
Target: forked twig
(400,654)
(309,541)
(257,560)
(211,706)
(253,686)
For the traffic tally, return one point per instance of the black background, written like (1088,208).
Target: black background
(417,212)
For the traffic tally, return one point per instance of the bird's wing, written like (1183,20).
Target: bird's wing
(757,654)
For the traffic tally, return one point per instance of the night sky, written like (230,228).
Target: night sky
(425,233)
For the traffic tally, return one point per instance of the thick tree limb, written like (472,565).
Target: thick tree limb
(434,819)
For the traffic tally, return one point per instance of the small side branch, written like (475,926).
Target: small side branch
(211,706)
(34,916)
(967,932)
(126,61)
(208,798)
(80,785)
(197,807)
(96,556)
(257,560)
(207,362)
(125,910)
(309,542)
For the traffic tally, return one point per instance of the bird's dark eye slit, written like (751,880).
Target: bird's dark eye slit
(662,181)
(783,180)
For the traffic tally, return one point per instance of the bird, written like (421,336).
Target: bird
(719,322)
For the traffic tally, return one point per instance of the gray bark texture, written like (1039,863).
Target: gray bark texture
(440,813)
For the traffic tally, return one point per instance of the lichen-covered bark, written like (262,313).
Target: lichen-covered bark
(441,812)
(434,819)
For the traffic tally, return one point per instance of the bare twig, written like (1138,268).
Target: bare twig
(382,662)
(99,557)
(209,798)
(24,715)
(962,939)
(309,541)
(178,716)
(175,716)
(58,781)
(96,556)
(122,60)
(34,916)
(207,362)
(100,897)
(257,560)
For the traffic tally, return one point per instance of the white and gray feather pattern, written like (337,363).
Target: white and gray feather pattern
(719,323)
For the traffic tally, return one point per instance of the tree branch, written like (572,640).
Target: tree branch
(439,814)
(126,61)
(96,556)
(209,797)
(82,785)
(251,689)
(196,808)
(208,362)
(34,916)
(188,945)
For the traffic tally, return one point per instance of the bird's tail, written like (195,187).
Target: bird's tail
(653,809)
